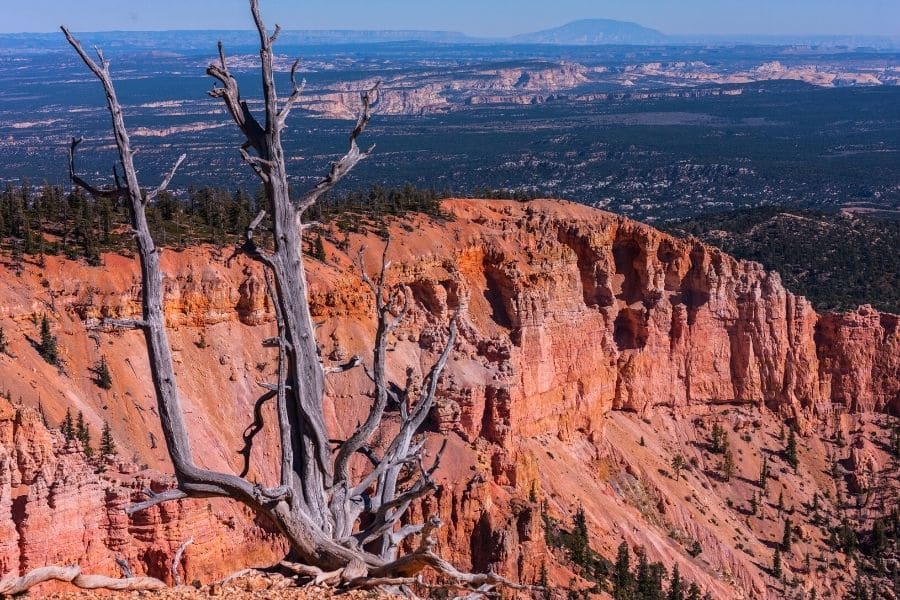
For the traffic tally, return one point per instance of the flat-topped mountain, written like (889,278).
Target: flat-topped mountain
(594,32)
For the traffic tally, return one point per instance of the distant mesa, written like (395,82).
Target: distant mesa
(587,32)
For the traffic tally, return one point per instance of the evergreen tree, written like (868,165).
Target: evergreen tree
(786,537)
(622,573)
(859,591)
(716,438)
(544,581)
(83,433)
(107,445)
(642,582)
(780,505)
(790,450)
(676,589)
(103,378)
(580,543)
(754,503)
(318,249)
(728,464)
(648,579)
(764,473)
(18,258)
(47,346)
(68,426)
(657,576)
(895,441)
(776,563)
(4,343)
(677,465)
(693,591)
(879,537)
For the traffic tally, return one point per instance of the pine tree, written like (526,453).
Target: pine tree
(790,450)
(895,441)
(776,563)
(879,536)
(83,433)
(622,573)
(107,445)
(580,543)
(643,581)
(4,343)
(648,579)
(68,426)
(781,433)
(677,465)
(693,591)
(859,591)
(728,464)
(716,438)
(676,590)
(544,581)
(103,378)
(318,250)
(47,347)
(786,537)
(764,473)
(754,503)
(780,505)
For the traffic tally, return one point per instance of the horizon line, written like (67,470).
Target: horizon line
(476,36)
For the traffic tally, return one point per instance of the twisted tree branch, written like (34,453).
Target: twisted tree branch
(339,169)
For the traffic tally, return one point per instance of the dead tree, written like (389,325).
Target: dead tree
(348,528)
(13,586)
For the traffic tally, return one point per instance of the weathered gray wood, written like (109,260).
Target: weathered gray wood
(13,586)
(317,505)
(176,561)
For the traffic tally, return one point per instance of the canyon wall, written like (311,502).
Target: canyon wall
(576,327)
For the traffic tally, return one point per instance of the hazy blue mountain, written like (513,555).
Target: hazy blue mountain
(593,31)
(188,40)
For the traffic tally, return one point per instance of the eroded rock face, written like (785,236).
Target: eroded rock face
(858,359)
(568,315)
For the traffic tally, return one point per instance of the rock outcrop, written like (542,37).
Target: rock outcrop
(577,327)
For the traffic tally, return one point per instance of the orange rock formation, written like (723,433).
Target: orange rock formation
(581,332)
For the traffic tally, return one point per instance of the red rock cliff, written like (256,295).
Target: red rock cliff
(570,316)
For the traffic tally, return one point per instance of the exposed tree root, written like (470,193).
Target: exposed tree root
(407,570)
(176,561)
(239,574)
(11,586)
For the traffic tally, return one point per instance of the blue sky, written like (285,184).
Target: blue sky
(474,17)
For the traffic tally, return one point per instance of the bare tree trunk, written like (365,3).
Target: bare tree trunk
(12,586)
(316,503)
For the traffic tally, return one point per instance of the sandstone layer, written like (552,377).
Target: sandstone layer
(581,332)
